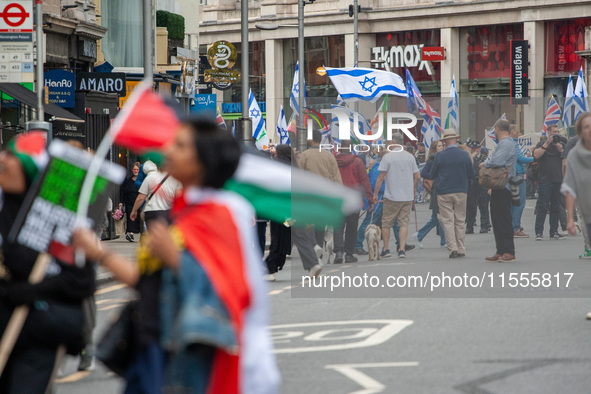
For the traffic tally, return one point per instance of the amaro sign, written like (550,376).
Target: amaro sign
(103,82)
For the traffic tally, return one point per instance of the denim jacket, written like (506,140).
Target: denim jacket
(191,311)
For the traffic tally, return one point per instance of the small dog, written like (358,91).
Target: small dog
(373,234)
(328,250)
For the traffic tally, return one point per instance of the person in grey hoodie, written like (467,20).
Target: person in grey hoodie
(577,181)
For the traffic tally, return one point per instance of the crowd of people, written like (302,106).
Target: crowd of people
(201,314)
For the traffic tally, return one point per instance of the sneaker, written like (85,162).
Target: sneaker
(319,251)
(407,247)
(338,258)
(386,253)
(129,237)
(520,234)
(359,251)
(453,255)
(539,237)
(469,231)
(461,254)
(586,254)
(415,236)
(270,278)
(401,254)
(589,316)
(316,270)
(86,361)
(558,236)
(443,246)
(349,258)
(484,230)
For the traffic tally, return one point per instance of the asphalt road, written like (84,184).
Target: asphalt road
(382,340)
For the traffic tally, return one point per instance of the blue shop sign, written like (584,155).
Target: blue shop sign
(205,104)
(236,108)
(61,86)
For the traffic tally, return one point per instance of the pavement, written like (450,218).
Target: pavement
(120,246)
(492,339)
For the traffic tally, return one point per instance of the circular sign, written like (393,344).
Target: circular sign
(7,14)
(221,85)
(222,55)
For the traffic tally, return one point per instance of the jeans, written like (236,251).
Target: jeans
(377,214)
(433,222)
(500,213)
(548,193)
(516,212)
(349,231)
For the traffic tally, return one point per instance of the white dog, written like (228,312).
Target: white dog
(328,250)
(373,234)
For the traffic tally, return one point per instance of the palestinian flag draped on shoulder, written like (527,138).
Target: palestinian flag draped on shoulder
(277,191)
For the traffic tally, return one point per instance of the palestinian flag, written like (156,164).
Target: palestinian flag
(217,232)
(278,192)
(146,122)
(30,149)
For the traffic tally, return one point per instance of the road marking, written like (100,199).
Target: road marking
(369,336)
(73,377)
(111,300)
(275,292)
(109,289)
(369,384)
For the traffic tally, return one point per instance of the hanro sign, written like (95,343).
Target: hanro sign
(402,56)
(16,16)
(433,54)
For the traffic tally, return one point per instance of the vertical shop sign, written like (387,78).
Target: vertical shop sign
(519,72)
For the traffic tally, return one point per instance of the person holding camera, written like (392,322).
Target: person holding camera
(548,154)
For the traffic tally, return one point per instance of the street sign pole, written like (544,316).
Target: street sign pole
(40,79)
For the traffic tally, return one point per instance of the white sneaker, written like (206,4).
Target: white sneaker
(415,236)
(270,278)
(319,251)
(316,270)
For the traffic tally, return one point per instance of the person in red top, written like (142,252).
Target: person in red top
(353,175)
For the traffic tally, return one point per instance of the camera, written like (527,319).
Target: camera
(558,138)
(515,180)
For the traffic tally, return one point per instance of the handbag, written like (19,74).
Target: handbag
(493,178)
(117,348)
(428,184)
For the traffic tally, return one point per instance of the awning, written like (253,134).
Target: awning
(29,98)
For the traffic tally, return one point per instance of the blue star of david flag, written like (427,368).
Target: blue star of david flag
(296,87)
(357,83)
(411,88)
(580,96)
(259,132)
(282,127)
(569,102)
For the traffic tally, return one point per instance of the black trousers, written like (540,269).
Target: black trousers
(477,199)
(500,212)
(303,240)
(349,231)
(280,247)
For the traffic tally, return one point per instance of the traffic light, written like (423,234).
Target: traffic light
(352,10)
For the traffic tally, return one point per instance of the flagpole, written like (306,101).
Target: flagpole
(148,67)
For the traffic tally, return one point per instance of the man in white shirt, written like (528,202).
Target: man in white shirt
(399,169)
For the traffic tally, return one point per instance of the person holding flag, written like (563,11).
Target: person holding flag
(212,307)
(56,316)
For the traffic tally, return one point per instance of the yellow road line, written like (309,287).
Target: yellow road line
(73,377)
(106,308)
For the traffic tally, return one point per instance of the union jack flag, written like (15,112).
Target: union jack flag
(429,114)
(552,114)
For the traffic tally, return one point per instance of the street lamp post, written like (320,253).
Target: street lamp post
(302,138)
(245,121)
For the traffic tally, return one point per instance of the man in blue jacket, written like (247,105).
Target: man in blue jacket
(452,171)
(517,211)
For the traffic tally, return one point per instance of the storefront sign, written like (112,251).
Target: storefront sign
(103,82)
(406,56)
(519,72)
(222,56)
(60,86)
(69,130)
(433,54)
(88,48)
(204,104)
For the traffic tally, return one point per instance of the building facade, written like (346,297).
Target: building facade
(476,36)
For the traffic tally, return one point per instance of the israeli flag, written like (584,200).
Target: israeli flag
(581,97)
(452,107)
(569,103)
(282,127)
(295,91)
(365,83)
(430,134)
(362,124)
(412,89)
(259,132)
